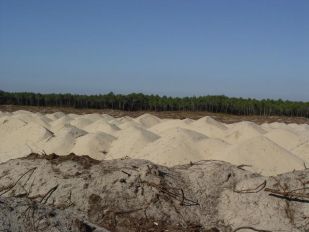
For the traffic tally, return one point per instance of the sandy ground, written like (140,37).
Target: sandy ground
(268,149)
(76,193)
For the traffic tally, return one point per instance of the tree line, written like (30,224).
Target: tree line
(139,101)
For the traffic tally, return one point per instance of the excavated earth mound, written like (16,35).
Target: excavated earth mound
(77,193)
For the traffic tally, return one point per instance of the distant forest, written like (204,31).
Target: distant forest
(139,101)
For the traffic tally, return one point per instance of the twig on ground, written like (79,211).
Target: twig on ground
(254,190)
(126,173)
(174,194)
(128,211)
(289,195)
(7,189)
(48,194)
(241,166)
(250,228)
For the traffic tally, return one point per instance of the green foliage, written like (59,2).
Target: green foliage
(139,101)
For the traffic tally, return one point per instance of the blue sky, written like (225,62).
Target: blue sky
(238,48)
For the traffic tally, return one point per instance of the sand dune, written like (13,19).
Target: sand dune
(59,123)
(102,126)
(169,124)
(285,138)
(262,155)
(210,127)
(302,151)
(130,141)
(62,141)
(96,145)
(18,138)
(81,122)
(148,120)
(174,147)
(269,148)
(242,131)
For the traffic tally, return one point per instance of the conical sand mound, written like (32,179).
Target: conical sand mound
(95,145)
(263,155)
(148,120)
(33,118)
(211,146)
(60,123)
(188,120)
(209,121)
(127,124)
(302,151)
(20,141)
(176,146)
(269,149)
(108,117)
(63,141)
(81,122)
(285,138)
(10,124)
(182,133)
(93,117)
(210,127)
(70,131)
(169,124)
(130,141)
(57,115)
(102,126)
(240,132)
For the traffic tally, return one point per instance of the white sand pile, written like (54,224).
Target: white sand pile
(242,131)
(212,146)
(10,124)
(33,118)
(92,117)
(148,120)
(125,119)
(262,155)
(285,138)
(188,120)
(81,122)
(208,121)
(176,146)
(73,116)
(56,115)
(60,123)
(108,117)
(270,148)
(169,124)
(302,151)
(63,140)
(102,126)
(126,124)
(23,138)
(210,127)
(131,141)
(95,145)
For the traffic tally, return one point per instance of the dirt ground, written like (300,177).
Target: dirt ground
(73,193)
(226,118)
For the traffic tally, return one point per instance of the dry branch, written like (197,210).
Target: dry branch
(289,195)
(254,190)
(250,228)
(8,188)
(241,166)
(48,194)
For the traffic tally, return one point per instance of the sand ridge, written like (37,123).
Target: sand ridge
(268,149)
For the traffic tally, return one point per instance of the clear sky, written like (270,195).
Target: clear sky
(245,48)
